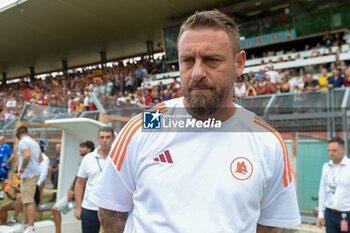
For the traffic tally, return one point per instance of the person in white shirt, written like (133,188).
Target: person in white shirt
(44,168)
(240,89)
(66,203)
(346,36)
(334,192)
(274,75)
(89,171)
(29,158)
(207,181)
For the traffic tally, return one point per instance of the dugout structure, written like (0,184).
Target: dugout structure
(74,131)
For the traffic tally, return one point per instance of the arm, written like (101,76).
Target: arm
(112,221)
(70,193)
(12,156)
(44,165)
(26,158)
(321,198)
(40,157)
(266,229)
(78,191)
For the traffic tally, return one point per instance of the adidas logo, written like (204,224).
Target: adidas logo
(164,157)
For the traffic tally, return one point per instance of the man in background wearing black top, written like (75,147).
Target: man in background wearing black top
(54,171)
(65,204)
(310,83)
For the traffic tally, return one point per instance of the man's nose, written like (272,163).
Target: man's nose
(198,71)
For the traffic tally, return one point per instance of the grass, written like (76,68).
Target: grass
(46,214)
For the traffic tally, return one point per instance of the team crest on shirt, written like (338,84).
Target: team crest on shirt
(241,168)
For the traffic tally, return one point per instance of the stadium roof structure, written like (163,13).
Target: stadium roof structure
(42,33)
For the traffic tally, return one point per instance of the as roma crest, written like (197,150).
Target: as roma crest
(241,168)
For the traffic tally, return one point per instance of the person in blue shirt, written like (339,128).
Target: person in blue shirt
(337,80)
(6,156)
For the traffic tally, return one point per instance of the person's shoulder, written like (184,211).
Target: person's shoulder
(267,134)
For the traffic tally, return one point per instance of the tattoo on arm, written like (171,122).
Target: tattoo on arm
(26,158)
(112,221)
(266,229)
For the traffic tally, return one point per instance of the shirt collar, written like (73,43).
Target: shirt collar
(344,162)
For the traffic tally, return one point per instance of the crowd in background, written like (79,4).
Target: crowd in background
(121,85)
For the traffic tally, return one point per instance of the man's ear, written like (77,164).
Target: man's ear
(240,62)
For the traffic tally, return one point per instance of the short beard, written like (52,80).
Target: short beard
(206,104)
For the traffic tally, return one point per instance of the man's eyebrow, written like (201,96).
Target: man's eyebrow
(209,54)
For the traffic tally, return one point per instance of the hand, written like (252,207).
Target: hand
(3,164)
(70,195)
(19,174)
(77,212)
(320,222)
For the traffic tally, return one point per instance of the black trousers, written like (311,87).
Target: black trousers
(332,219)
(54,180)
(89,221)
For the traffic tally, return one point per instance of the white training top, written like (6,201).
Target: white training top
(189,182)
(44,168)
(334,192)
(33,168)
(90,168)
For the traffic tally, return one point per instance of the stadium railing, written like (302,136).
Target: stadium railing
(303,54)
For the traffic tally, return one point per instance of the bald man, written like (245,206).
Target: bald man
(6,156)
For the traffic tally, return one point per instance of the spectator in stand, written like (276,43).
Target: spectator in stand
(252,89)
(240,88)
(327,39)
(166,95)
(268,87)
(310,83)
(296,84)
(176,93)
(284,86)
(347,77)
(147,98)
(337,62)
(273,74)
(129,82)
(175,83)
(323,80)
(337,40)
(155,98)
(260,75)
(337,80)
(346,36)
(80,105)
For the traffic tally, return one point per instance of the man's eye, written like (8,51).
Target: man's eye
(212,60)
(187,60)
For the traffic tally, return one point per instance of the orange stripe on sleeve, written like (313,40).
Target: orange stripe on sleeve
(129,136)
(123,138)
(285,180)
(126,145)
(122,133)
(289,167)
